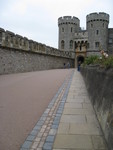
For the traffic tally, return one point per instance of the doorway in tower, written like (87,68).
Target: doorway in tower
(80,60)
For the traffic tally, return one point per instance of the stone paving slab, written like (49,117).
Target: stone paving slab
(78,111)
(87,105)
(77,100)
(86,128)
(73,141)
(92,119)
(73,105)
(63,128)
(73,119)
(99,142)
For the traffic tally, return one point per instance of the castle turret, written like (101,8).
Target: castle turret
(67,27)
(97,27)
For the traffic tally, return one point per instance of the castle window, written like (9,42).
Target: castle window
(62,29)
(6,39)
(91,25)
(80,47)
(75,45)
(88,45)
(97,44)
(71,29)
(71,44)
(11,39)
(110,41)
(97,32)
(62,44)
(20,42)
(0,36)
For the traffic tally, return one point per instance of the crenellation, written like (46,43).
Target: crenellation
(3,38)
(34,46)
(42,48)
(9,38)
(10,33)
(23,44)
(37,45)
(15,41)
(49,50)
(68,19)
(26,44)
(2,30)
(97,17)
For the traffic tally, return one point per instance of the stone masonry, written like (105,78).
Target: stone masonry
(97,36)
(19,54)
(18,61)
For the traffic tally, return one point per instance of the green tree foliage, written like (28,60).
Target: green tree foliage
(91,60)
(101,61)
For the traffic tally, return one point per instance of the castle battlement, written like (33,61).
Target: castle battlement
(101,16)
(14,41)
(68,20)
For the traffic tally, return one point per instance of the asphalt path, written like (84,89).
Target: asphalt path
(23,99)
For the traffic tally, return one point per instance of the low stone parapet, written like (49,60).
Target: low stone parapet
(99,83)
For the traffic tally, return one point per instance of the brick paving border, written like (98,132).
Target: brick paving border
(43,134)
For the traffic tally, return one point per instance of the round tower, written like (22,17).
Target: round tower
(97,27)
(67,27)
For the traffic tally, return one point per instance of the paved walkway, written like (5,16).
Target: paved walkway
(23,99)
(69,122)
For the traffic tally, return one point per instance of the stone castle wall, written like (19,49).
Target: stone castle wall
(18,54)
(99,83)
(18,61)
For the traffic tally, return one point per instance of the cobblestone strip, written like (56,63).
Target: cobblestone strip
(43,134)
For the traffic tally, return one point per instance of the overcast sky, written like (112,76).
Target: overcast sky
(38,19)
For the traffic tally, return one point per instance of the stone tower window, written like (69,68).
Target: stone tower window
(11,39)
(80,47)
(6,38)
(0,36)
(88,45)
(97,32)
(91,25)
(97,44)
(110,40)
(62,44)
(62,29)
(20,42)
(71,44)
(75,45)
(71,29)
